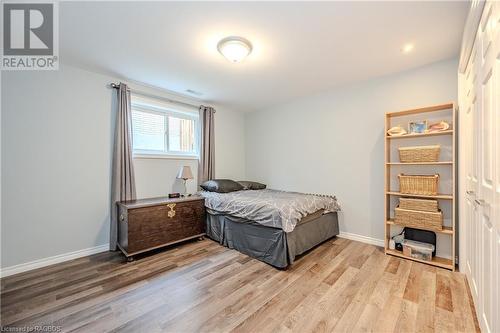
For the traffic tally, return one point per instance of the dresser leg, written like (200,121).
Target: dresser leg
(130,259)
(201,238)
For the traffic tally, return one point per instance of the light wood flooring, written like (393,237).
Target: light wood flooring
(341,286)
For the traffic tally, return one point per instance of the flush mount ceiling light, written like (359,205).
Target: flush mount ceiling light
(234,48)
(407,48)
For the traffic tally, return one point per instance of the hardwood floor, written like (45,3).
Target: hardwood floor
(341,286)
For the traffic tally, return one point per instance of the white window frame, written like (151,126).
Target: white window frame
(159,107)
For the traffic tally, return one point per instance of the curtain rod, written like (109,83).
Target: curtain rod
(117,86)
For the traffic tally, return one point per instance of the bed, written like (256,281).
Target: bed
(270,225)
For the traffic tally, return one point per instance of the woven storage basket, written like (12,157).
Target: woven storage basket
(418,184)
(419,154)
(419,204)
(419,219)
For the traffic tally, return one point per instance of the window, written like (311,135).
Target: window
(165,129)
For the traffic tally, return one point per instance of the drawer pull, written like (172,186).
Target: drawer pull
(171,212)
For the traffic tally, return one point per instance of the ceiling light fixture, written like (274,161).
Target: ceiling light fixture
(234,48)
(407,48)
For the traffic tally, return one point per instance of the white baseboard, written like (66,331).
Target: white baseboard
(361,238)
(28,266)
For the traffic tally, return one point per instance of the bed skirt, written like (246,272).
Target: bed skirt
(271,245)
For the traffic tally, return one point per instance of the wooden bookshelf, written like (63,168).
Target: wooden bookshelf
(446,138)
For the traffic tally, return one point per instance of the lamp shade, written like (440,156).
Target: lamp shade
(185,173)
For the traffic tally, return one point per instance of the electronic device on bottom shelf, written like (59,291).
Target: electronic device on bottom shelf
(415,243)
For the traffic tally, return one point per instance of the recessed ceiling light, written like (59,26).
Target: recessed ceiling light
(407,48)
(234,48)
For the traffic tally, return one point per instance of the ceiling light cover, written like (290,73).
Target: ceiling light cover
(234,49)
(407,48)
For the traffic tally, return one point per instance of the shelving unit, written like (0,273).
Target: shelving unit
(448,141)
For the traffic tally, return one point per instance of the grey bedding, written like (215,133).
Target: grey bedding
(270,208)
(271,245)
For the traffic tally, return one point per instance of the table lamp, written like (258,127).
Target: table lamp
(185,174)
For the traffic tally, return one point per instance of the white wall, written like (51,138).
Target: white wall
(333,142)
(57,129)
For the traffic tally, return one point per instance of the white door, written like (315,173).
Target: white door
(495,210)
(488,124)
(470,137)
(480,102)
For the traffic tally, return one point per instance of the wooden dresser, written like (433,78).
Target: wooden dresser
(148,224)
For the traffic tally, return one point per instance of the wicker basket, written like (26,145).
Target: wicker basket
(419,154)
(419,204)
(418,184)
(419,219)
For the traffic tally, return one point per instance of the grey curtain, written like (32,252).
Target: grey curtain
(123,180)
(206,165)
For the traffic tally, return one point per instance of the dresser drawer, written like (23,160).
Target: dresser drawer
(167,223)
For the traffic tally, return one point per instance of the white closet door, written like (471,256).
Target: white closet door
(480,102)
(470,136)
(495,209)
(488,182)
(488,171)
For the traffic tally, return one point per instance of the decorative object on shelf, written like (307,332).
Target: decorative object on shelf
(418,184)
(174,195)
(439,127)
(185,174)
(396,131)
(417,127)
(419,154)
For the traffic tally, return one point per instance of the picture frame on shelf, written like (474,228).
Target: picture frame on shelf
(417,127)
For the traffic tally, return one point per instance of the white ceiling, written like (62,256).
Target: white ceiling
(300,48)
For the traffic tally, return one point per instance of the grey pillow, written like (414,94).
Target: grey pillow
(221,186)
(248,185)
